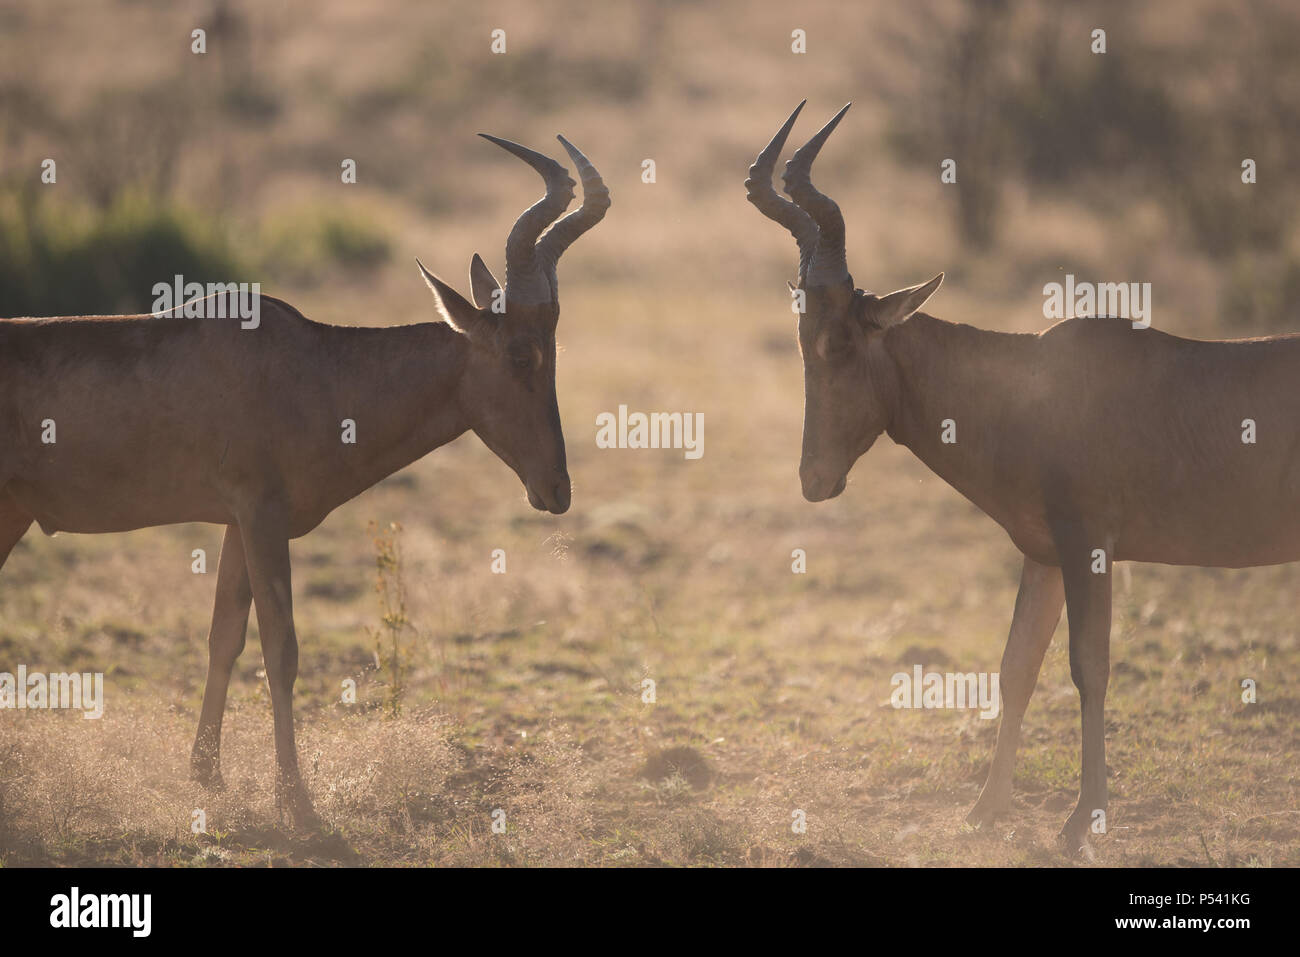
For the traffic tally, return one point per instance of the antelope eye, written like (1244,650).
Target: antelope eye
(521,361)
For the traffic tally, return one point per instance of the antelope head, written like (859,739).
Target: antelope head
(848,383)
(508,386)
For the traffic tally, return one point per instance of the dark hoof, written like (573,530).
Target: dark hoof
(208,777)
(984,813)
(302,816)
(306,819)
(994,801)
(1075,839)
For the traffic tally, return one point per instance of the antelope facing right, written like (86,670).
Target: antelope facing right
(1089,438)
(161,419)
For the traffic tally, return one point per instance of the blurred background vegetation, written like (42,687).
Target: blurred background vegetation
(1123,166)
(226,166)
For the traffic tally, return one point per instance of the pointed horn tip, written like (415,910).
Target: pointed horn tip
(517,149)
(798,165)
(505,144)
(834,120)
(579,158)
(573,150)
(777,142)
(789,120)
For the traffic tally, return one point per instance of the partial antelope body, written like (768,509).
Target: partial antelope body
(161,420)
(1088,439)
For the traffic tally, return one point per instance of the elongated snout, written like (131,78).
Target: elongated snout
(553,495)
(820,485)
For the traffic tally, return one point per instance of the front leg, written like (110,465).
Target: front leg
(1038,610)
(264,530)
(1086,567)
(225,642)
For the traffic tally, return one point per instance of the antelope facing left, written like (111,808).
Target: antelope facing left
(1089,443)
(158,420)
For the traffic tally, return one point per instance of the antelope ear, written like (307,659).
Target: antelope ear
(893,308)
(455,310)
(483,284)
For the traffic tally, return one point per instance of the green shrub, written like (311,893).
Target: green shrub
(62,260)
(306,244)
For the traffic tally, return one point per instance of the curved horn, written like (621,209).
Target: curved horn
(525,281)
(759,191)
(595,202)
(829,266)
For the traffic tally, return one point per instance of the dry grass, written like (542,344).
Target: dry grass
(524,690)
(772,689)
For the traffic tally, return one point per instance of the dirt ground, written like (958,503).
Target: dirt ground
(523,695)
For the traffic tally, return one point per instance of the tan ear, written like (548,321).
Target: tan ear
(454,308)
(482,284)
(893,308)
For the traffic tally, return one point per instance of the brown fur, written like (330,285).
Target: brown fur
(162,419)
(1091,435)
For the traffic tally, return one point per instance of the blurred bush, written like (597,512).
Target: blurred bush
(305,244)
(1015,93)
(57,259)
(1260,290)
(1074,120)
(1141,146)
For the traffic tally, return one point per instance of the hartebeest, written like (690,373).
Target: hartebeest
(160,420)
(1089,443)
